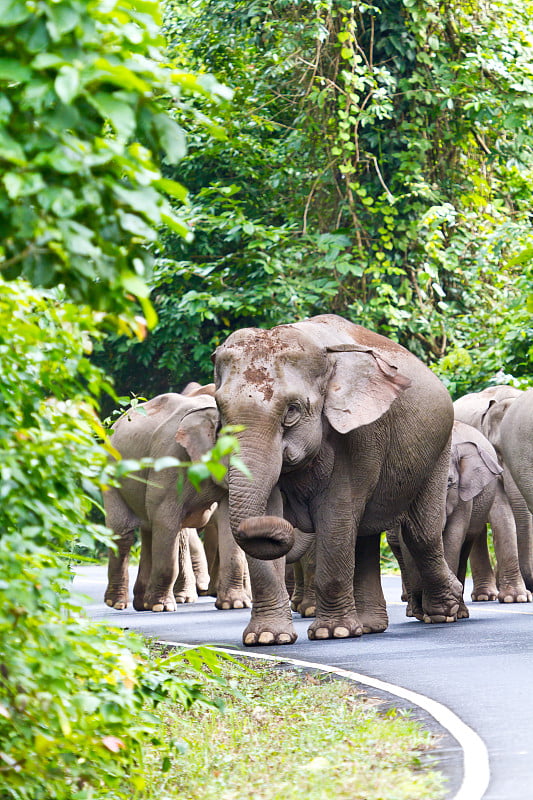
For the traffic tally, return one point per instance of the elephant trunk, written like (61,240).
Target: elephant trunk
(268,538)
(249,499)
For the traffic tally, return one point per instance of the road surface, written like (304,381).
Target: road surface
(481,668)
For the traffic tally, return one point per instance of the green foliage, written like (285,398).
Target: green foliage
(76,698)
(377,164)
(88,106)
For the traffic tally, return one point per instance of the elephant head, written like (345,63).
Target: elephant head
(472,468)
(291,387)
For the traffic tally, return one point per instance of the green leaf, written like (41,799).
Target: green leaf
(198,473)
(12,70)
(172,188)
(14,12)
(67,84)
(172,138)
(11,150)
(119,112)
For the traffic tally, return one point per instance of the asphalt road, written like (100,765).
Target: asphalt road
(481,668)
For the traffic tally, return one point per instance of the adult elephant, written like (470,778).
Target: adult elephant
(517,444)
(165,505)
(356,430)
(510,519)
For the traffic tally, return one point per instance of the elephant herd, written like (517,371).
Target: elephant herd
(345,435)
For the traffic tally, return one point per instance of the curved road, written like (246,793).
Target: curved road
(480,668)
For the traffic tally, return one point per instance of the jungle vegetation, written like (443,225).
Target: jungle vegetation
(171,172)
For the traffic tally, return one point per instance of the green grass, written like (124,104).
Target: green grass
(288,735)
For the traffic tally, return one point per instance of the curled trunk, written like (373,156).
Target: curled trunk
(267,538)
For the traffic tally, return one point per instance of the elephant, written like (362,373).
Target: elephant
(510,519)
(473,476)
(182,426)
(354,431)
(516,444)
(229,580)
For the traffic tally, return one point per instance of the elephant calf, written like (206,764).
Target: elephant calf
(473,476)
(182,426)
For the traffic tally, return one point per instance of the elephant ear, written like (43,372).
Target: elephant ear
(197,433)
(362,387)
(493,418)
(477,468)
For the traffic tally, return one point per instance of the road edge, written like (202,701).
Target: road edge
(476,765)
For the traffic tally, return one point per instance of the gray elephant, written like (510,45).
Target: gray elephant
(516,444)
(510,519)
(180,426)
(356,430)
(473,475)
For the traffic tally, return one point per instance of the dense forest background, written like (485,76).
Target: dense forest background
(375,162)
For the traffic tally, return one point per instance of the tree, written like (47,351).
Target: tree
(378,165)
(89,107)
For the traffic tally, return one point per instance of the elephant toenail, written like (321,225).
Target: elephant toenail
(266,637)
(341,632)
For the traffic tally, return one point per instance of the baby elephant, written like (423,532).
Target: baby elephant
(473,477)
(182,427)
(472,483)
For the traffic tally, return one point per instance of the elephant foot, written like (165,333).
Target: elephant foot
(374,623)
(159,603)
(345,627)
(296,599)
(233,598)
(263,631)
(442,606)
(185,597)
(513,594)
(463,612)
(307,608)
(484,593)
(116,598)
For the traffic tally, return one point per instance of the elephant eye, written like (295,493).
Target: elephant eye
(292,415)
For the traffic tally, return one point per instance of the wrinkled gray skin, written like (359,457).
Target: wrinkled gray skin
(473,477)
(183,427)
(229,579)
(356,430)
(517,444)
(510,519)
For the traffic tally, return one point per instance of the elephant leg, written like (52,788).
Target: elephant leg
(184,588)
(369,599)
(271,618)
(456,549)
(231,590)
(123,522)
(393,540)
(210,534)
(159,595)
(145,568)
(116,593)
(199,562)
(294,580)
(336,614)
(439,594)
(483,577)
(524,536)
(307,604)
(511,586)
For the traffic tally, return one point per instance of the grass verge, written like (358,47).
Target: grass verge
(287,734)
